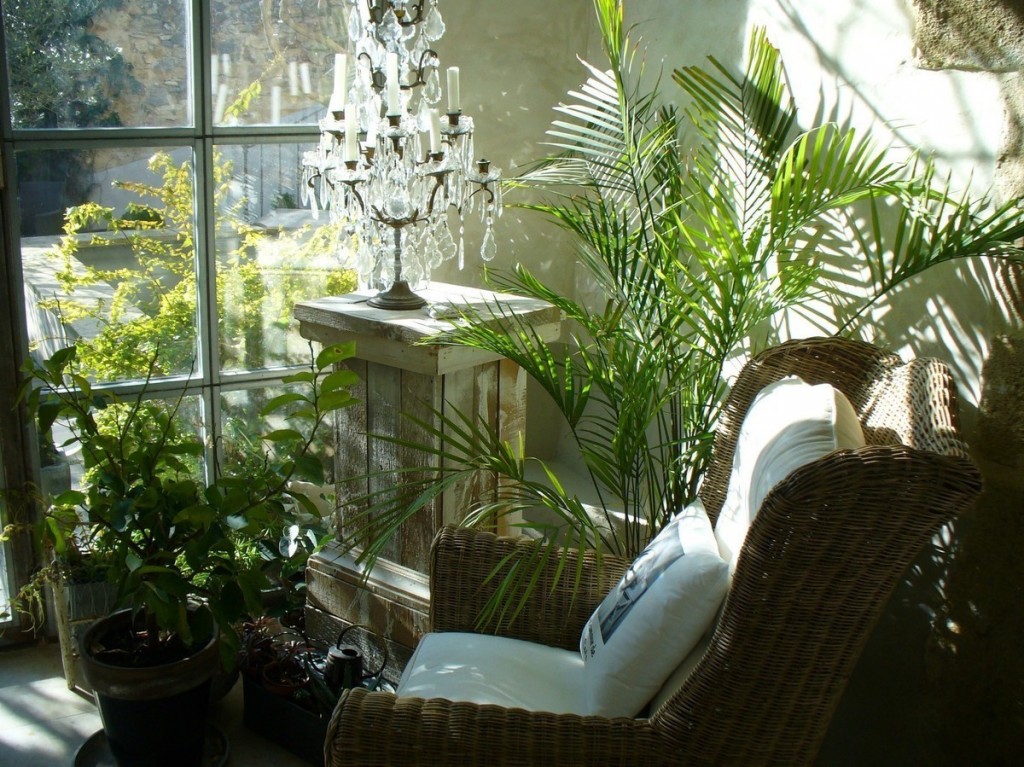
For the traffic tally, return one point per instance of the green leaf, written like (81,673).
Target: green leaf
(331,355)
(281,400)
(48,412)
(56,536)
(70,498)
(61,359)
(304,376)
(336,400)
(283,435)
(306,503)
(339,379)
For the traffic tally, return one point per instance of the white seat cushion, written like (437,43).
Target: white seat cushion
(790,423)
(480,668)
(655,615)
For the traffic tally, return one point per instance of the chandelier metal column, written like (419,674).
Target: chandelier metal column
(394,172)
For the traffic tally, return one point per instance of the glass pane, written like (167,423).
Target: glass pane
(98,63)
(270,254)
(273,63)
(66,465)
(241,450)
(121,282)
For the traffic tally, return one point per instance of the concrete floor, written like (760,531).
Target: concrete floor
(42,722)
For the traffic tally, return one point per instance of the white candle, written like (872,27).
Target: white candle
(340,76)
(394,86)
(435,132)
(225,64)
(454,97)
(351,133)
(293,78)
(336,105)
(371,132)
(275,105)
(307,81)
(214,70)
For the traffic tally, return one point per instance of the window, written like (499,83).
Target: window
(152,165)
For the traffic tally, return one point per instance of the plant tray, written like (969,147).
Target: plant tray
(297,730)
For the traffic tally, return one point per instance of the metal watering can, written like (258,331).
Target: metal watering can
(344,669)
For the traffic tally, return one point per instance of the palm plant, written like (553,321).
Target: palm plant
(699,226)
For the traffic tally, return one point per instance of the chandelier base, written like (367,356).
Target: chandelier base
(399,297)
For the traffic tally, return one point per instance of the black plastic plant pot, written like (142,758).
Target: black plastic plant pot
(153,716)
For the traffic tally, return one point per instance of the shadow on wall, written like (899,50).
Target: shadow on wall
(941,680)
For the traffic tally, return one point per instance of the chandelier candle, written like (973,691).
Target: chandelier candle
(454,96)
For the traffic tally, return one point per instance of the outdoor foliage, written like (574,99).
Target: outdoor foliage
(153,300)
(696,245)
(62,75)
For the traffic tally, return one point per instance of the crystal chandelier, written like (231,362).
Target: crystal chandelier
(390,168)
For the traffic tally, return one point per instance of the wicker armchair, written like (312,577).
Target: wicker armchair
(821,558)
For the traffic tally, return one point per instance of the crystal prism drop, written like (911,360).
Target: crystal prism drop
(445,242)
(355,24)
(432,89)
(489,247)
(433,27)
(390,31)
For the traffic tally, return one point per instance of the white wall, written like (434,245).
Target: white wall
(517,60)
(854,60)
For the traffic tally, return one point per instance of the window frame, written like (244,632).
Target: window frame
(19,448)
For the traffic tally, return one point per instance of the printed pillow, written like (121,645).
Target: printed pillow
(790,423)
(655,615)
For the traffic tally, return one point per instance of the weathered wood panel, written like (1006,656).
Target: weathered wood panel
(421,397)
(399,375)
(351,463)
(383,415)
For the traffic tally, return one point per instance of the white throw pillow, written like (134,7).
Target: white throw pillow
(790,423)
(655,615)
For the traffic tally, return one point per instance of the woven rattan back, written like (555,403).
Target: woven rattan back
(822,556)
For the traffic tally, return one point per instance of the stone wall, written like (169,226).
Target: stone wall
(254,41)
(152,37)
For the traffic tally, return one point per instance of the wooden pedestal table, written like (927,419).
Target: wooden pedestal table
(399,375)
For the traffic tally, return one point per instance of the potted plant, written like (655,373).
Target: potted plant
(291,682)
(75,569)
(284,693)
(179,549)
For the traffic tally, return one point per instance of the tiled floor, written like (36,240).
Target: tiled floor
(42,723)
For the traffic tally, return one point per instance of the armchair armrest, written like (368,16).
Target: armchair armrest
(461,583)
(378,728)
